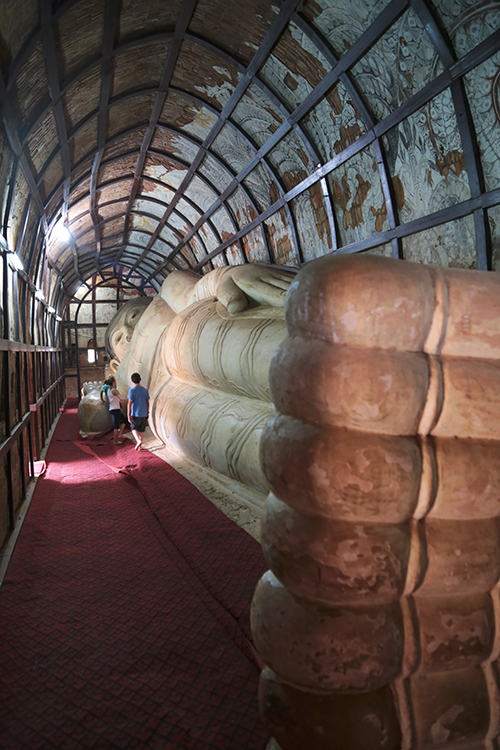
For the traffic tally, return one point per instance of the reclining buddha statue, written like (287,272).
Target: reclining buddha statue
(203,347)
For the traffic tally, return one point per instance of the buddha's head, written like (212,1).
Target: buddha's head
(119,331)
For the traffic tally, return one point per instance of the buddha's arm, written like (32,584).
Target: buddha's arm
(233,286)
(262,284)
(178,289)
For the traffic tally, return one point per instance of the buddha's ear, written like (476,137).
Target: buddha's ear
(113,365)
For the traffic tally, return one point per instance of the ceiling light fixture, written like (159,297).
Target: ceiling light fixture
(40,295)
(61,232)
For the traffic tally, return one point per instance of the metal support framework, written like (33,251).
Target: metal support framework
(147,179)
(368,120)
(454,73)
(257,61)
(148,199)
(151,180)
(232,61)
(340,71)
(15,145)
(8,203)
(49,52)
(110,18)
(218,159)
(373,33)
(186,94)
(185,15)
(183,164)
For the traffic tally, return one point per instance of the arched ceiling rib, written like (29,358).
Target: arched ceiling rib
(188,133)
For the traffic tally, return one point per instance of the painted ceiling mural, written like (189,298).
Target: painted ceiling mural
(140,138)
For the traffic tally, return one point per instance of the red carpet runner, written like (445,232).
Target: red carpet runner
(124,613)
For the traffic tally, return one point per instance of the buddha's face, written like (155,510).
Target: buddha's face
(121,328)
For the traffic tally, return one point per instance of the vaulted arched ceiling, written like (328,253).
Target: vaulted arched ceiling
(172,134)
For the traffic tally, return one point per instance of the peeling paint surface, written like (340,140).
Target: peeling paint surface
(260,184)
(451,244)
(223,223)
(345,21)
(312,224)
(280,240)
(483,90)
(166,172)
(424,161)
(358,199)
(427,161)
(334,123)
(254,247)
(200,193)
(386,86)
(233,148)
(291,160)
(257,115)
(218,174)
(150,207)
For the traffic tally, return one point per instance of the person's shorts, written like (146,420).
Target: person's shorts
(118,418)
(138,423)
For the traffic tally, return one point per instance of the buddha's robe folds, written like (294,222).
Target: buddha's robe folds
(207,368)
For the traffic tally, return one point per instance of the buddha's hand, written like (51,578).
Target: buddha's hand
(264,285)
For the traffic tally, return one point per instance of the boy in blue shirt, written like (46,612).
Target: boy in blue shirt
(138,409)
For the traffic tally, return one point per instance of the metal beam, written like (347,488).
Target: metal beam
(148,199)
(194,141)
(355,52)
(109,30)
(445,215)
(15,145)
(163,185)
(50,59)
(257,61)
(185,15)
